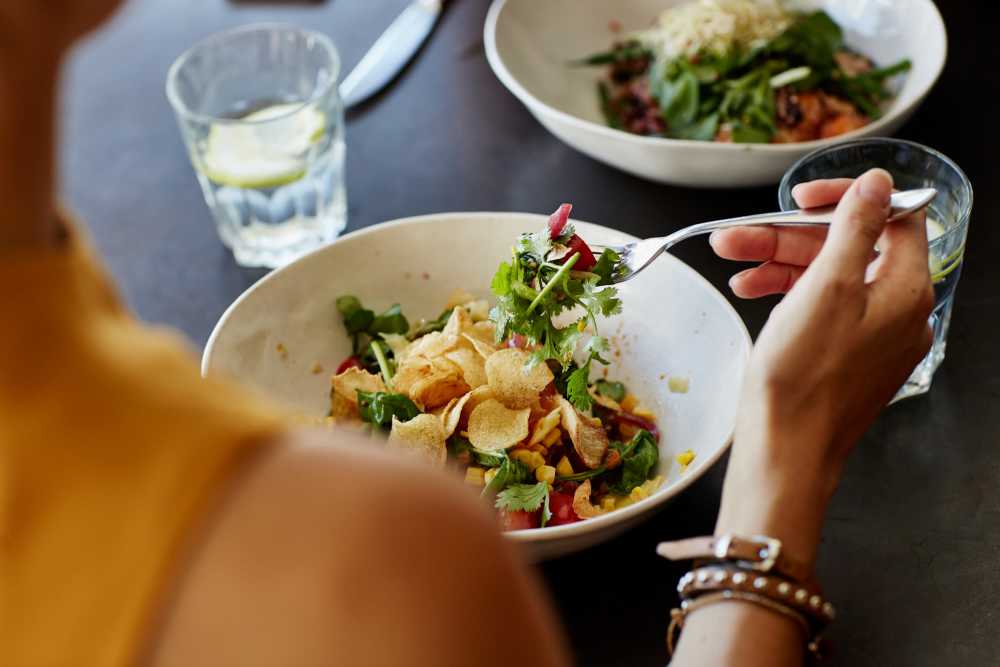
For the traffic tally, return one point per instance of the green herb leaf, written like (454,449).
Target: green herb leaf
(608,267)
(576,388)
(679,98)
(639,459)
(613,390)
(523,497)
(509,472)
(431,326)
(379,407)
(704,129)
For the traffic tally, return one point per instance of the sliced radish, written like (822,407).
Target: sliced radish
(557,221)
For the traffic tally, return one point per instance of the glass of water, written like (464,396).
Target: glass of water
(911,166)
(263,122)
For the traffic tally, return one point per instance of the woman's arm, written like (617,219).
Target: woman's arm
(831,356)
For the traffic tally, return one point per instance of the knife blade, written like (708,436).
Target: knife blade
(391,52)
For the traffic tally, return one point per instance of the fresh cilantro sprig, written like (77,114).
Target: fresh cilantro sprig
(639,458)
(538,285)
(526,498)
(509,472)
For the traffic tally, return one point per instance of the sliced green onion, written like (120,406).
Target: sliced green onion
(790,76)
(383,363)
(555,280)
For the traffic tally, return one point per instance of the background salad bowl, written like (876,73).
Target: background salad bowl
(674,324)
(529,45)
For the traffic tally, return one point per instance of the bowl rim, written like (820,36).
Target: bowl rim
(549,533)
(537,106)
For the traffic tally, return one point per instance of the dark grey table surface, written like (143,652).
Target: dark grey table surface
(911,552)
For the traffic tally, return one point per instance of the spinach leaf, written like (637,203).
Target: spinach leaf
(391,321)
(679,97)
(639,459)
(379,407)
(613,390)
(813,40)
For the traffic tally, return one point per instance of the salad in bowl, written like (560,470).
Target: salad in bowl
(514,396)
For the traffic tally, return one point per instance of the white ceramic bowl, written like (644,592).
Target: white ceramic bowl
(530,42)
(674,323)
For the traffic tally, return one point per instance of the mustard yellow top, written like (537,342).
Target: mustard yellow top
(111,448)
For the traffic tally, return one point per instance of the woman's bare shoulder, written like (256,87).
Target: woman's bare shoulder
(328,550)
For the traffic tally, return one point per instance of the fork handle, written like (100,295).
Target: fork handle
(901,204)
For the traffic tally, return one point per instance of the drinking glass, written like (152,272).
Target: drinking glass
(263,122)
(911,166)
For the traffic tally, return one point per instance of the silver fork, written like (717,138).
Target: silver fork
(638,255)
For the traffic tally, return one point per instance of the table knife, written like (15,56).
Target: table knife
(391,52)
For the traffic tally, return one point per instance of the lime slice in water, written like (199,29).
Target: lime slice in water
(267,150)
(940,265)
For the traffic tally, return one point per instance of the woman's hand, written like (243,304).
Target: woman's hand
(49,27)
(832,354)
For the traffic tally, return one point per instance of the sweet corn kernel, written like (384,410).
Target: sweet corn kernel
(564,468)
(475,476)
(540,448)
(678,385)
(552,438)
(642,411)
(522,455)
(608,503)
(638,493)
(581,326)
(685,458)
(489,475)
(545,474)
(629,402)
(537,460)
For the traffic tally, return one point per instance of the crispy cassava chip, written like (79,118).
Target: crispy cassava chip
(342,408)
(588,436)
(451,414)
(483,348)
(422,438)
(493,427)
(512,383)
(459,322)
(458,298)
(477,396)
(581,502)
(545,425)
(432,345)
(473,366)
(443,383)
(347,383)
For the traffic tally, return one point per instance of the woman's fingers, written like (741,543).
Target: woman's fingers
(820,193)
(787,245)
(857,224)
(766,279)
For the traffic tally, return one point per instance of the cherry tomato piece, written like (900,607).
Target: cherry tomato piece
(561,506)
(519,520)
(587,259)
(349,362)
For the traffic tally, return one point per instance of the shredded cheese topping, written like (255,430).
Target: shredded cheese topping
(716,26)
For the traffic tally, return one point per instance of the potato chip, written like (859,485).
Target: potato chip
(545,425)
(439,385)
(479,310)
(451,414)
(347,383)
(493,427)
(512,383)
(482,348)
(343,408)
(422,438)
(459,322)
(459,297)
(477,396)
(473,366)
(485,331)
(588,436)
(432,345)
(581,502)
